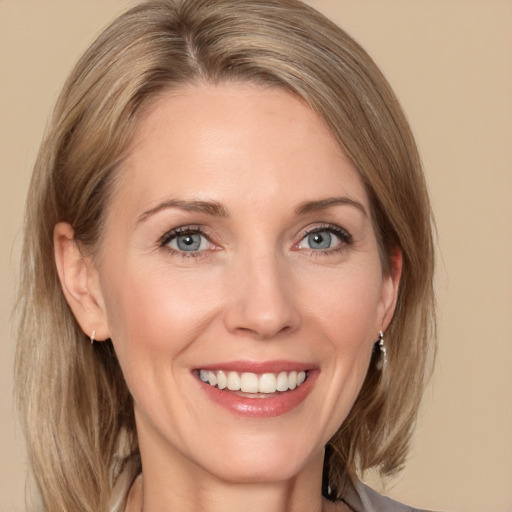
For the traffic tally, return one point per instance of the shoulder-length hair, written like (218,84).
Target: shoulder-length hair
(76,408)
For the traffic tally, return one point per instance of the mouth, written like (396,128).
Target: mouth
(261,391)
(253,384)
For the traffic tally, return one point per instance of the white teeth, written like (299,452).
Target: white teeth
(233,381)
(247,382)
(212,378)
(292,380)
(282,382)
(222,380)
(268,383)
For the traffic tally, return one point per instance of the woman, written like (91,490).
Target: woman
(227,283)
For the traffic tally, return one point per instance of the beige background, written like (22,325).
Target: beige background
(450,62)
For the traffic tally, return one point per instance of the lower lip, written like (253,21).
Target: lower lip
(270,407)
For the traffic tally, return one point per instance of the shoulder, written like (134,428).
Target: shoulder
(361,498)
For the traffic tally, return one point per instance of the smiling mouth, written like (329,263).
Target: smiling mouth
(258,385)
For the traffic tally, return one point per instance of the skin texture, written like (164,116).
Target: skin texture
(256,290)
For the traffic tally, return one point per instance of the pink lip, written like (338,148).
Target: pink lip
(276,405)
(258,367)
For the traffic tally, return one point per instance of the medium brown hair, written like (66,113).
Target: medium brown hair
(76,408)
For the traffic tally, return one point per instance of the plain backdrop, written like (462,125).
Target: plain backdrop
(450,63)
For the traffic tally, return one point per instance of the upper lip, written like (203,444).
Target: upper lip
(259,367)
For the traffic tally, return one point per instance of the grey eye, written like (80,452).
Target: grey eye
(320,240)
(188,242)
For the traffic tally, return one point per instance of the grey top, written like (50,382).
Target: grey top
(362,498)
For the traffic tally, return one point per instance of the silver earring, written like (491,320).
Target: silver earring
(92,337)
(382,356)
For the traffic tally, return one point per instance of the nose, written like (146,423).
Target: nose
(262,302)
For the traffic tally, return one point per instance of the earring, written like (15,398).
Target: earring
(382,354)
(92,337)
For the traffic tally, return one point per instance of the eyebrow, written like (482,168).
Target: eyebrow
(322,204)
(209,207)
(216,209)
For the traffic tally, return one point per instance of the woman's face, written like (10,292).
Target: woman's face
(238,249)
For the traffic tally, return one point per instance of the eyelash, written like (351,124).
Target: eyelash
(344,236)
(181,231)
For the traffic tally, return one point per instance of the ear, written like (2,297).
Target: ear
(80,283)
(390,284)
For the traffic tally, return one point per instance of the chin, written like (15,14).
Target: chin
(263,459)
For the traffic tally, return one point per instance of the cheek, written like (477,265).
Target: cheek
(155,313)
(347,310)
(347,302)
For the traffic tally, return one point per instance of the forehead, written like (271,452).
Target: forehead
(227,141)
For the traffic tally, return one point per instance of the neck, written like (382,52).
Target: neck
(158,493)
(233,498)
(270,474)
(172,482)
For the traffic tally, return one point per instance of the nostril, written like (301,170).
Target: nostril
(262,305)
(265,332)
